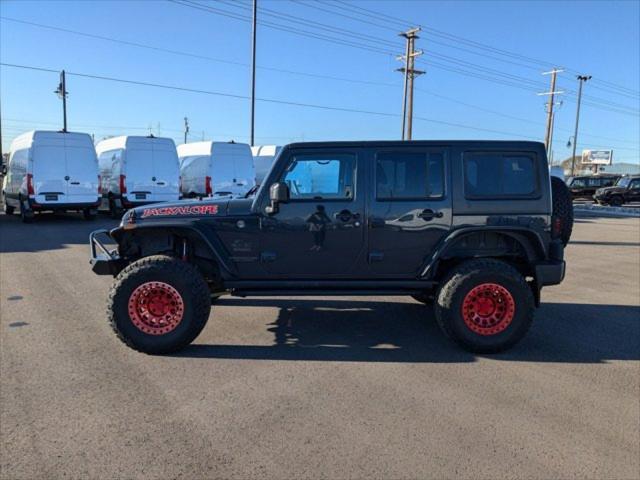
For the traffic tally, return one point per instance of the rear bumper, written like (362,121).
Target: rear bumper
(103,261)
(550,273)
(33,205)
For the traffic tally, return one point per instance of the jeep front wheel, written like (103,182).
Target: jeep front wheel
(159,304)
(485,306)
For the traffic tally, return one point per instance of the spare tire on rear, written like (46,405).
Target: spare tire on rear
(562,209)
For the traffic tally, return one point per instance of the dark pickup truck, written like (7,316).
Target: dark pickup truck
(474,228)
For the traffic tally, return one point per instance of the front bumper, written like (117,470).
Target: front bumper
(103,261)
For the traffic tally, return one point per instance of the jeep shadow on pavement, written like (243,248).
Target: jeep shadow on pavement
(473,228)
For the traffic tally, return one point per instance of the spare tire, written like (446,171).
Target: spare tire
(562,209)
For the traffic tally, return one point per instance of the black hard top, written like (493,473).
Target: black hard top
(514,144)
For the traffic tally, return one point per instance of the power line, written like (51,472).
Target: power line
(486,74)
(617,108)
(481,46)
(267,100)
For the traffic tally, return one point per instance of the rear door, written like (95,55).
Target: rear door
(410,209)
(243,170)
(166,173)
(139,172)
(82,172)
(49,171)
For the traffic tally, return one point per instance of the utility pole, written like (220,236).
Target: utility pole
(552,93)
(581,80)
(186,128)
(409,74)
(62,93)
(553,124)
(253,71)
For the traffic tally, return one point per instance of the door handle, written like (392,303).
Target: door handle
(428,214)
(346,215)
(75,183)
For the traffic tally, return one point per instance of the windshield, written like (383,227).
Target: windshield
(623,182)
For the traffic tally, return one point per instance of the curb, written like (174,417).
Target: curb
(621,211)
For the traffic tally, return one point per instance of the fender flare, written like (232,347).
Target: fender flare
(210,241)
(530,241)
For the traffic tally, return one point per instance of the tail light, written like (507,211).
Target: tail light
(123,184)
(30,189)
(99,185)
(207,186)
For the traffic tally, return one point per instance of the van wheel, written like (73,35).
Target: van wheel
(89,214)
(485,305)
(25,214)
(562,208)
(159,304)
(8,209)
(114,212)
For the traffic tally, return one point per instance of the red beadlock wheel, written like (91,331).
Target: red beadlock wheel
(156,308)
(488,309)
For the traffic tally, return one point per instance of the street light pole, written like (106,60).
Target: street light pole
(62,93)
(581,80)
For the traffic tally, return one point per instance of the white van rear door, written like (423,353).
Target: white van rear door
(49,172)
(82,170)
(222,169)
(139,173)
(166,172)
(244,177)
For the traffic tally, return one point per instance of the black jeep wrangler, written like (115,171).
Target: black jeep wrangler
(474,228)
(626,190)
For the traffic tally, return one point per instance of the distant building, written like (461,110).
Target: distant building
(624,168)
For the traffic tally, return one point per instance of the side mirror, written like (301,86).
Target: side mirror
(278,193)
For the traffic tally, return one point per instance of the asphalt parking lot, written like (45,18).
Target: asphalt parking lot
(355,387)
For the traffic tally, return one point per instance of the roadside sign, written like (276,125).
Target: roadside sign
(597,157)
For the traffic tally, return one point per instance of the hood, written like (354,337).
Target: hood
(188,210)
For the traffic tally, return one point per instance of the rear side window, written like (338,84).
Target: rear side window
(409,175)
(500,175)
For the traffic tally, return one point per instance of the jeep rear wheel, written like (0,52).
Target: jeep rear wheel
(485,306)
(159,304)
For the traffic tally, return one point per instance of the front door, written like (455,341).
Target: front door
(410,209)
(320,230)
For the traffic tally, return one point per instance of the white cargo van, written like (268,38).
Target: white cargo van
(216,169)
(51,171)
(263,158)
(138,170)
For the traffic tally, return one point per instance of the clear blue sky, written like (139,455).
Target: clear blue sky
(598,38)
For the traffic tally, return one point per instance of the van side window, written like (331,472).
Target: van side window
(321,176)
(409,175)
(499,175)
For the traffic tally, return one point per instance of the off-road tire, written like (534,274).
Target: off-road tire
(562,207)
(423,298)
(616,201)
(180,275)
(460,281)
